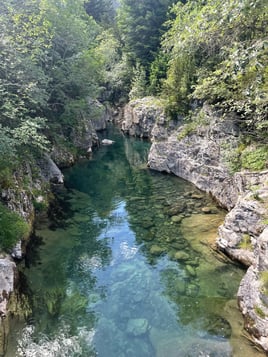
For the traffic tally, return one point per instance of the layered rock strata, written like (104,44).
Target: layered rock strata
(200,153)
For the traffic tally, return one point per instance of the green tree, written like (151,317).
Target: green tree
(218,53)
(141,25)
(138,84)
(47,66)
(24,44)
(103,11)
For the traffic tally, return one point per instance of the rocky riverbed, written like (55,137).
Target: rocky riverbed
(201,154)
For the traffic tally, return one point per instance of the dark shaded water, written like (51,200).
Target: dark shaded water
(124,268)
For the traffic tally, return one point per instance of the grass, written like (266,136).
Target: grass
(264,280)
(259,311)
(245,242)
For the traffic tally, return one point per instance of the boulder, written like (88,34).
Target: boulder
(181,256)
(156,250)
(49,170)
(137,327)
(107,142)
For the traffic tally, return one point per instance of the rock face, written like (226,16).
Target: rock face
(49,170)
(198,157)
(141,116)
(82,136)
(200,154)
(7,282)
(7,285)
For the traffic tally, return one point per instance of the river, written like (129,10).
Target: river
(124,267)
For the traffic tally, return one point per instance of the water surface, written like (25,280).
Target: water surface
(124,267)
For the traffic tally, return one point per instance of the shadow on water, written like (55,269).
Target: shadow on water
(124,267)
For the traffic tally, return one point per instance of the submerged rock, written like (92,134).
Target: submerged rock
(156,250)
(171,344)
(107,142)
(137,327)
(176,219)
(181,256)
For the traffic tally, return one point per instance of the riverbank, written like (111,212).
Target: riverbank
(201,152)
(29,193)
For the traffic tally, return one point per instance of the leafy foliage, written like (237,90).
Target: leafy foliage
(141,24)
(255,159)
(13,228)
(102,11)
(219,54)
(138,85)
(47,61)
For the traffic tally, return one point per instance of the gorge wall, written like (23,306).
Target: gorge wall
(201,152)
(31,188)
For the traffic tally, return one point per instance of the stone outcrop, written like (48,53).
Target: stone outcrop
(7,283)
(200,153)
(141,116)
(199,157)
(49,170)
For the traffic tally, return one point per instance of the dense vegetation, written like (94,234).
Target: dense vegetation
(56,57)
(12,228)
(47,69)
(219,54)
(213,52)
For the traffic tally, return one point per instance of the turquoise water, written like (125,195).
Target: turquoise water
(124,267)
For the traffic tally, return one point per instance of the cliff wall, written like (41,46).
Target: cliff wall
(201,152)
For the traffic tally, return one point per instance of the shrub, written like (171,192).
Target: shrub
(254,159)
(12,228)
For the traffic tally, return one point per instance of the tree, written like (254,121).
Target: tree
(218,53)
(140,25)
(24,43)
(103,11)
(47,62)
(139,84)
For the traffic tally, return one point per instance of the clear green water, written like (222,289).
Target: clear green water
(124,267)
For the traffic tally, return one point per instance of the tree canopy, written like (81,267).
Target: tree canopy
(141,26)
(47,62)
(219,54)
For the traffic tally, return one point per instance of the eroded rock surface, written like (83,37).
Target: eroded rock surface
(145,118)
(199,157)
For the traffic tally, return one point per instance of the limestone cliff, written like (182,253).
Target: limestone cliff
(200,153)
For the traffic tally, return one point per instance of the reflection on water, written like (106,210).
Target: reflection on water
(125,268)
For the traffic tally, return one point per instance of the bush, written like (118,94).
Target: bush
(255,160)
(12,228)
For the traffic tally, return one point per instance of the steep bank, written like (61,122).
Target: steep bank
(200,153)
(28,193)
